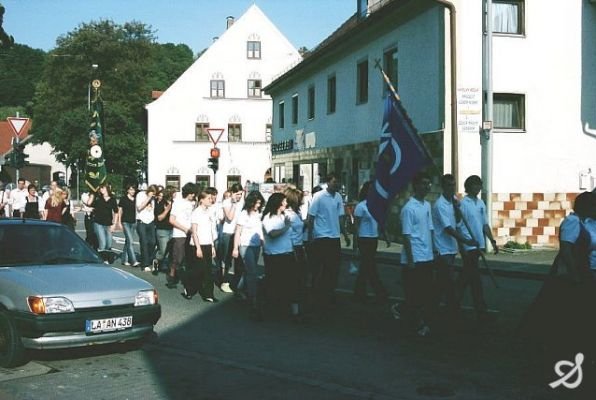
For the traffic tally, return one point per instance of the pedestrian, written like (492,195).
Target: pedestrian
(447,240)
(180,218)
(230,273)
(560,320)
(200,252)
(127,221)
(214,215)
(18,199)
(55,207)
(145,204)
(90,236)
(417,256)
(163,228)
(282,275)
(325,228)
(105,216)
(3,200)
(45,197)
(474,226)
(68,218)
(248,239)
(294,200)
(33,208)
(366,239)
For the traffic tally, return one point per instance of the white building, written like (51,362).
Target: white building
(328,109)
(222,89)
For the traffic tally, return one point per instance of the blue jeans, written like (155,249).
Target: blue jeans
(250,257)
(128,252)
(163,237)
(146,234)
(104,236)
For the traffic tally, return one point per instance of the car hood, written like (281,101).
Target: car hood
(86,285)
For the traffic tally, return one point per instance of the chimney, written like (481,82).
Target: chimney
(229,21)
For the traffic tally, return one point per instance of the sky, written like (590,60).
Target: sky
(38,23)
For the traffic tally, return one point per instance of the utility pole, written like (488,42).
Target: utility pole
(486,138)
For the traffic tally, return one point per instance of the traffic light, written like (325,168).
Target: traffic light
(20,158)
(214,159)
(213,164)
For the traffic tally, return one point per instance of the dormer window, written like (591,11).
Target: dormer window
(253,50)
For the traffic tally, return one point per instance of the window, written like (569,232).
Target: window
(234,132)
(218,89)
(311,102)
(508,17)
(331,94)
(253,50)
(174,181)
(282,114)
(203,182)
(509,111)
(232,179)
(254,88)
(201,134)
(362,82)
(295,109)
(390,67)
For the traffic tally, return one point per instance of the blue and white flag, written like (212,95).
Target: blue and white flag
(401,156)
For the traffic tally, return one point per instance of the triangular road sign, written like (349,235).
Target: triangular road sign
(18,125)
(213,139)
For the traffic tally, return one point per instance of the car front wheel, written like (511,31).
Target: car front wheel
(12,353)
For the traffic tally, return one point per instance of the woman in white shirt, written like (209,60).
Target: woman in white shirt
(200,252)
(248,239)
(282,274)
(366,237)
(294,198)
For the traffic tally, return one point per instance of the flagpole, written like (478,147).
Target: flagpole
(396,96)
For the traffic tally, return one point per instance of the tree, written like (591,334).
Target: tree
(169,62)
(20,70)
(124,55)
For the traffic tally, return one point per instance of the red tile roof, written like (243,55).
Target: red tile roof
(7,134)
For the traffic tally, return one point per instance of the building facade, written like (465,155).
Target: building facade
(220,96)
(328,109)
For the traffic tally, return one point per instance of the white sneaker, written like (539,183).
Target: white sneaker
(148,269)
(424,331)
(225,287)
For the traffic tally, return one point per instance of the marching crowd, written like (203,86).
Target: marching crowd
(203,243)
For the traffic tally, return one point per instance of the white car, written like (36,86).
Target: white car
(56,292)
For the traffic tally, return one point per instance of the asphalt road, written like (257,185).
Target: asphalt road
(351,351)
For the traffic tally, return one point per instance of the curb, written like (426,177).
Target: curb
(536,272)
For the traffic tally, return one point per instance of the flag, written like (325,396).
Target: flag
(95,170)
(401,156)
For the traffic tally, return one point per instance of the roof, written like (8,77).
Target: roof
(342,36)
(7,134)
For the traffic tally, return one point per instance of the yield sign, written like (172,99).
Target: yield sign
(215,130)
(17,125)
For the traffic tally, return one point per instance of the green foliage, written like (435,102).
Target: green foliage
(20,70)
(518,246)
(129,65)
(11,111)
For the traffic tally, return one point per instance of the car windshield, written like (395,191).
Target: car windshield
(39,244)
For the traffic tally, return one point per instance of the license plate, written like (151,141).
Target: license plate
(108,324)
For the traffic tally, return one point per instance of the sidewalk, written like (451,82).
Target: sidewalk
(521,264)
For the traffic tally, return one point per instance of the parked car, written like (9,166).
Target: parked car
(56,292)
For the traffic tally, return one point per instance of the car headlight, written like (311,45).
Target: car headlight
(49,305)
(146,297)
